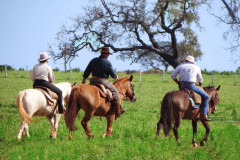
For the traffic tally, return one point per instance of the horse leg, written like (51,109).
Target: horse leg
(159,126)
(69,135)
(204,140)
(84,123)
(19,136)
(55,126)
(176,126)
(51,120)
(26,130)
(109,130)
(194,125)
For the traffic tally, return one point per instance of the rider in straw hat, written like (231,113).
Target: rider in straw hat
(101,69)
(42,75)
(188,73)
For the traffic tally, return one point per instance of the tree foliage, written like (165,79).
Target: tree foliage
(231,16)
(152,33)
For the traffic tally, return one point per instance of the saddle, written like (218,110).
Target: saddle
(194,98)
(50,96)
(104,92)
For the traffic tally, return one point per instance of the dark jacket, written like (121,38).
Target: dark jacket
(100,67)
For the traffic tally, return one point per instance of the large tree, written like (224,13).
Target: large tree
(151,33)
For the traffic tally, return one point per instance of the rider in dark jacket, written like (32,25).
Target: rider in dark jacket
(101,69)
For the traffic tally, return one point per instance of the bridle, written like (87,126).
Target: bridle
(125,97)
(213,101)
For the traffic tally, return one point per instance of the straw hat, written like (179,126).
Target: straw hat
(43,56)
(190,59)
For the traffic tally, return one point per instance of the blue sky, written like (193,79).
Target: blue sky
(27,27)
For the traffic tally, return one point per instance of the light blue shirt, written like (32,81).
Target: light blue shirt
(188,72)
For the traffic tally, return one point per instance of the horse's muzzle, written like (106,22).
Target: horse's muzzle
(133,99)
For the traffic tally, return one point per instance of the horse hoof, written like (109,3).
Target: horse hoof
(195,145)
(90,136)
(202,143)
(19,138)
(104,135)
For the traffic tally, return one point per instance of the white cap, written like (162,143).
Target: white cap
(190,59)
(43,56)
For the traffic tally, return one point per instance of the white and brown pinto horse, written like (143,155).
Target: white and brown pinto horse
(32,102)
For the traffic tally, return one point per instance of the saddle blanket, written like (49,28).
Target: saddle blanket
(194,104)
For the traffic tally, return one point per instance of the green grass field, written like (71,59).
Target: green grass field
(134,132)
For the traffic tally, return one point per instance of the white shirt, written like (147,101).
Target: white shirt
(188,72)
(43,71)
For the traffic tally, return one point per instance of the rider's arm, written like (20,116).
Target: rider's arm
(199,77)
(174,76)
(177,81)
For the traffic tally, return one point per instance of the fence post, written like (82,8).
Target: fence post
(5,70)
(27,71)
(140,74)
(212,79)
(235,78)
(163,76)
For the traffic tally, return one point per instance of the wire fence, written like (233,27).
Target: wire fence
(140,75)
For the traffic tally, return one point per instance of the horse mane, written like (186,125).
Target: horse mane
(209,87)
(120,80)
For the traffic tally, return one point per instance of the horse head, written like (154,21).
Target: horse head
(125,88)
(213,97)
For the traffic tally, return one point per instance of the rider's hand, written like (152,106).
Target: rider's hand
(179,86)
(84,81)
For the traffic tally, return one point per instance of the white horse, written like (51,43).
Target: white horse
(32,102)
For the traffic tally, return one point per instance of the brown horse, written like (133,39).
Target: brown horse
(87,97)
(177,106)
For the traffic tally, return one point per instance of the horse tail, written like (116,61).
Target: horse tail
(166,113)
(25,116)
(72,109)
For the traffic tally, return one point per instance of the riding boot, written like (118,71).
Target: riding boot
(203,117)
(117,108)
(60,106)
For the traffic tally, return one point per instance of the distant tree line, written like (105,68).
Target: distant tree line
(150,71)
(9,68)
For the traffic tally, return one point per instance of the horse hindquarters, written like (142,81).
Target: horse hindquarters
(25,116)
(166,114)
(72,109)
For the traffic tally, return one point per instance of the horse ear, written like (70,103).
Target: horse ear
(131,77)
(74,84)
(218,87)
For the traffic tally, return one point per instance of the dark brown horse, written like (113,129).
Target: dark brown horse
(87,97)
(177,106)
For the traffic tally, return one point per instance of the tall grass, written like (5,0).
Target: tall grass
(134,132)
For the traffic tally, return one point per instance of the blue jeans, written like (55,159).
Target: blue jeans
(204,96)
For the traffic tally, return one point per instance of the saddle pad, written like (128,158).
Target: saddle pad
(105,93)
(50,96)
(194,105)
(196,97)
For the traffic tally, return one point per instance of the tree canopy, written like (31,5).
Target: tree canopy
(152,33)
(231,16)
